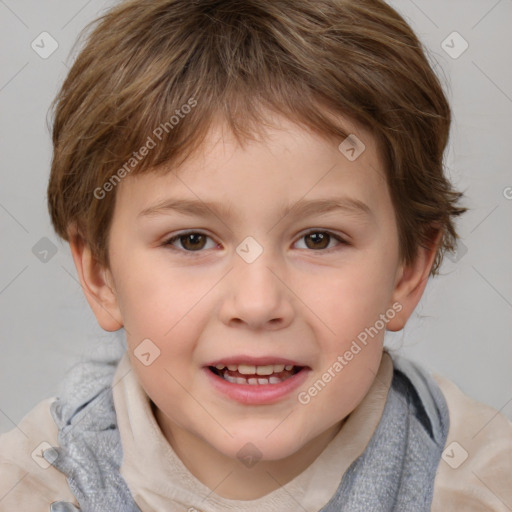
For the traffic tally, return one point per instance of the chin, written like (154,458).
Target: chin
(258,447)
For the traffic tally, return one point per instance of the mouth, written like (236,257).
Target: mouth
(252,375)
(256,380)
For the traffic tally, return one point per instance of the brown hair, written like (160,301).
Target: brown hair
(170,67)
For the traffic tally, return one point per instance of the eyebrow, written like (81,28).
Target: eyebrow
(303,208)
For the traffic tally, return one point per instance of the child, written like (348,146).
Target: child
(303,143)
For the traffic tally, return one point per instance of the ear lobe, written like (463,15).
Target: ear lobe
(94,280)
(411,282)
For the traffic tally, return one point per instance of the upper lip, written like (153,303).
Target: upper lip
(256,361)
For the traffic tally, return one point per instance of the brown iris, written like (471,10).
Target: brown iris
(321,240)
(197,241)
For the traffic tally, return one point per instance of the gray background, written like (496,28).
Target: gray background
(462,327)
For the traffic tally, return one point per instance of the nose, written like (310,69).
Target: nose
(257,294)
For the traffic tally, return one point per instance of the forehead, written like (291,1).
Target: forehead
(287,164)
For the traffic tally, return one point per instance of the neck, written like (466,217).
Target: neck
(229,478)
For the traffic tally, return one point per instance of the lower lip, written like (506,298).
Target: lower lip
(257,394)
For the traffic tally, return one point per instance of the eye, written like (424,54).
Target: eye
(319,240)
(191,241)
(194,241)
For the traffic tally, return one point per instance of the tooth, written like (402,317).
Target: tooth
(274,380)
(219,366)
(252,381)
(262,381)
(288,367)
(278,368)
(265,370)
(232,367)
(240,380)
(229,378)
(247,369)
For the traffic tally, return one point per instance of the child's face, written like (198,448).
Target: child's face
(302,301)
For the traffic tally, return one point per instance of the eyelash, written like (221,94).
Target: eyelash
(168,243)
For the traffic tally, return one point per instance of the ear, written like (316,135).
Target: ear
(97,284)
(411,282)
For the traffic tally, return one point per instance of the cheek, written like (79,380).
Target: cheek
(154,297)
(352,346)
(166,384)
(335,394)
(353,299)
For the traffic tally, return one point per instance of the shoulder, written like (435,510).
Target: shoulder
(475,473)
(28,481)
